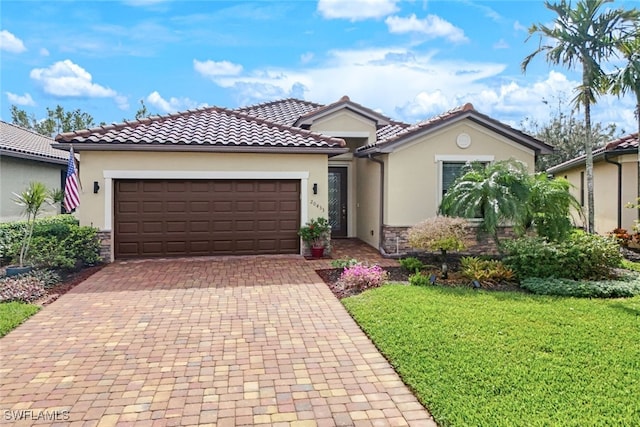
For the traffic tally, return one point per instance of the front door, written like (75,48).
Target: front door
(338,201)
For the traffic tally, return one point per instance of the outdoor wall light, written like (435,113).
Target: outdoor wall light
(315,188)
(96,187)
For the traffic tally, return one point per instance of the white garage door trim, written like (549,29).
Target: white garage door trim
(110,175)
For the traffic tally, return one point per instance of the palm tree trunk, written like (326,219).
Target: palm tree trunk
(588,146)
(637,201)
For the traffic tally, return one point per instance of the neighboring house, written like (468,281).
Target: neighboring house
(615,183)
(26,156)
(219,181)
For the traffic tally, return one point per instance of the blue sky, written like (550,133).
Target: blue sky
(408,60)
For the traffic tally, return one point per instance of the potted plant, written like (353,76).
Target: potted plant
(315,233)
(31,200)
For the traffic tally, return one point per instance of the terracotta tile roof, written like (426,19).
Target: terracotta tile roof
(206,127)
(625,144)
(399,134)
(284,111)
(16,141)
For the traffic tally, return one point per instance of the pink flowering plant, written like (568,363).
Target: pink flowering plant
(360,277)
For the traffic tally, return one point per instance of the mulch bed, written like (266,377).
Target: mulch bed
(69,281)
(331,277)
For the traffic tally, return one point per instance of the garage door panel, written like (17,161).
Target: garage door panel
(205,217)
(154,227)
(199,207)
(152,207)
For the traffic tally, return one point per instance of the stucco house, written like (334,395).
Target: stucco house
(615,183)
(220,181)
(26,156)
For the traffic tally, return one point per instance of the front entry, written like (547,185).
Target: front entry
(338,201)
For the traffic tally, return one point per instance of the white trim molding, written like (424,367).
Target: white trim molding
(346,133)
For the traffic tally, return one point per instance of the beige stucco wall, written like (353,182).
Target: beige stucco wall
(605,192)
(95,163)
(368,202)
(342,123)
(16,174)
(412,180)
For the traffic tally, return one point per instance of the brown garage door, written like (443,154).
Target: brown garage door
(206,217)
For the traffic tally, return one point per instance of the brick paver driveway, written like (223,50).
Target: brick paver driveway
(215,341)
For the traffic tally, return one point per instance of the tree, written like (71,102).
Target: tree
(549,207)
(566,133)
(627,79)
(583,37)
(496,193)
(57,121)
(31,200)
(142,111)
(504,192)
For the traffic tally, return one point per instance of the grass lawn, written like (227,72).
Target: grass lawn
(509,359)
(14,313)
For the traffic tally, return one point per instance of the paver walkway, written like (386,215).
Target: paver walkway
(203,341)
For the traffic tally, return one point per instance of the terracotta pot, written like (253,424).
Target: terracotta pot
(317,252)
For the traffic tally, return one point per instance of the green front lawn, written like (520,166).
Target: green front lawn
(14,313)
(477,358)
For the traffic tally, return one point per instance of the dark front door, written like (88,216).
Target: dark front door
(338,201)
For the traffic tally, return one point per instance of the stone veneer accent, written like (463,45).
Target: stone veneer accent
(105,245)
(395,241)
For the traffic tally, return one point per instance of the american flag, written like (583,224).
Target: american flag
(71,191)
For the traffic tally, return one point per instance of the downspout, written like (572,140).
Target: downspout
(606,159)
(381,163)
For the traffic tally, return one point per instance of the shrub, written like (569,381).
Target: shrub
(419,279)
(344,262)
(622,237)
(21,288)
(486,270)
(441,233)
(411,264)
(624,287)
(581,256)
(358,278)
(48,278)
(58,242)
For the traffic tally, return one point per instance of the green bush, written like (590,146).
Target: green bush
(624,287)
(58,242)
(419,279)
(411,264)
(344,262)
(580,256)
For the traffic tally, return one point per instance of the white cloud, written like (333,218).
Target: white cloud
(66,79)
(173,104)
(501,44)
(519,27)
(25,99)
(211,68)
(11,43)
(305,58)
(44,52)
(432,26)
(356,10)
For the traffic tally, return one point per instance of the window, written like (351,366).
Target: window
(450,172)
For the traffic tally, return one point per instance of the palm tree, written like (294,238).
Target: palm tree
(496,193)
(627,79)
(549,207)
(31,200)
(583,36)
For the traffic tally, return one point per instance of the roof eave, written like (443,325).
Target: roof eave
(29,156)
(307,120)
(581,160)
(81,146)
